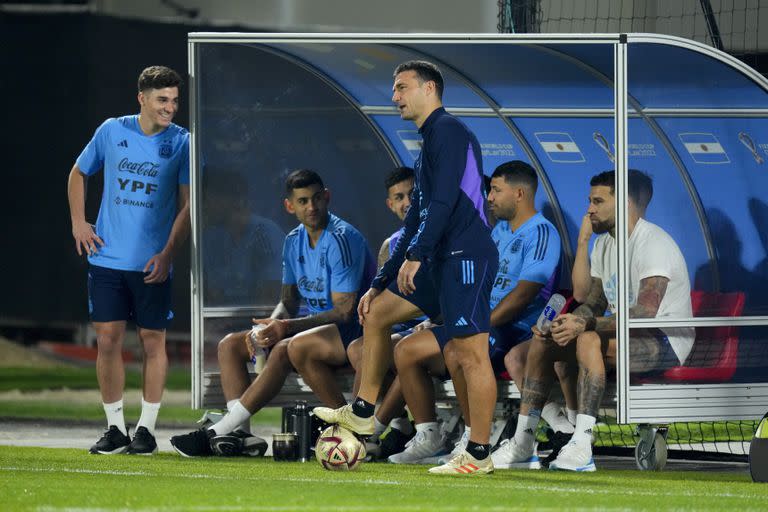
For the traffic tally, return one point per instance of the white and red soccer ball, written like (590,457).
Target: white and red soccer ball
(338,449)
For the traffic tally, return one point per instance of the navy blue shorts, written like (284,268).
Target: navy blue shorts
(116,295)
(349,332)
(457,288)
(425,296)
(499,344)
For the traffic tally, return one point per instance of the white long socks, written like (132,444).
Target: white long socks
(148,416)
(114,412)
(233,419)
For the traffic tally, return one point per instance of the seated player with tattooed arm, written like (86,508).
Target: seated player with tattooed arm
(659,288)
(327,265)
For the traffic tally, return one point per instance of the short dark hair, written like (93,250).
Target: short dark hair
(517,171)
(425,71)
(158,77)
(397,175)
(302,178)
(639,186)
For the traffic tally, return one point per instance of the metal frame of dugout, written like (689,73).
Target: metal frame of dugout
(646,404)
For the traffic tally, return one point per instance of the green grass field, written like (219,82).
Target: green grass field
(36,379)
(170,415)
(65,479)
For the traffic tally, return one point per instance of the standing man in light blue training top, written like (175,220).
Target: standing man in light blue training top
(143,219)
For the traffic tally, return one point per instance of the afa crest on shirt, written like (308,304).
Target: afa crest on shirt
(166,150)
(516,245)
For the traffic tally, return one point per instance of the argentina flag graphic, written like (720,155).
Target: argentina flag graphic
(704,148)
(412,141)
(560,147)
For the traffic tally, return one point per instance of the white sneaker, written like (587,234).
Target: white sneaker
(510,455)
(344,417)
(424,448)
(574,457)
(464,464)
(461,445)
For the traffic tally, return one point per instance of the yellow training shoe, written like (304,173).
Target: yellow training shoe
(344,417)
(464,464)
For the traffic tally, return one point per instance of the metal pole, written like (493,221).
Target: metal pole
(712,28)
(622,278)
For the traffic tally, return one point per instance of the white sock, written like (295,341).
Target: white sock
(572,413)
(233,419)
(114,412)
(403,424)
(553,414)
(378,427)
(525,434)
(467,432)
(431,428)
(244,426)
(583,432)
(148,416)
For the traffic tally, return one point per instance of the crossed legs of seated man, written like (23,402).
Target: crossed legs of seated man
(592,351)
(314,353)
(561,421)
(391,411)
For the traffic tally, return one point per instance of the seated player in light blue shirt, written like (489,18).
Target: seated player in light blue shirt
(529,255)
(143,219)
(327,265)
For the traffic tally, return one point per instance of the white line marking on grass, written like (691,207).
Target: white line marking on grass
(77,470)
(201,477)
(344,508)
(455,482)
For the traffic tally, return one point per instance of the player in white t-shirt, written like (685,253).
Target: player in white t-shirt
(659,287)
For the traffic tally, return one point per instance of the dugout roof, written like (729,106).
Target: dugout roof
(694,118)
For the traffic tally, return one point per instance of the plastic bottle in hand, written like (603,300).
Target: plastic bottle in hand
(259,356)
(551,310)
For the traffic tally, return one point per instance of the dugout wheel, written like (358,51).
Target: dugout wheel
(651,449)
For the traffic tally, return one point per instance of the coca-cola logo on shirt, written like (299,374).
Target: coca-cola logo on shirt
(312,285)
(149,169)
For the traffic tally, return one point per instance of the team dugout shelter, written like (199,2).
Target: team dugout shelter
(694,118)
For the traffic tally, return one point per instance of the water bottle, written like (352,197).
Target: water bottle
(551,310)
(301,425)
(259,357)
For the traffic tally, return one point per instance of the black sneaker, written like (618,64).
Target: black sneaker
(556,441)
(238,443)
(394,443)
(194,444)
(112,442)
(143,443)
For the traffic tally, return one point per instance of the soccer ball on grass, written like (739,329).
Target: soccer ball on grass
(338,449)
